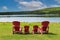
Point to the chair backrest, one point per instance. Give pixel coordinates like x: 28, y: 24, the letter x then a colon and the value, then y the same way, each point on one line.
x: 17, y: 28
x: 26, y: 29
x: 35, y: 28
x: 45, y: 25
x: 16, y: 23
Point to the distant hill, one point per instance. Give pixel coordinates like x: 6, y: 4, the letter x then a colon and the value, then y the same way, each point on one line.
x: 49, y: 10
x: 55, y: 11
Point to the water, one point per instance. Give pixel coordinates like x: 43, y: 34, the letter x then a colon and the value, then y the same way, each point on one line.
x: 29, y: 19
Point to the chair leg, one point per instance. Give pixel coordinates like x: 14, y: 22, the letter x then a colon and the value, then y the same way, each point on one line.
x: 20, y: 32
x: 13, y: 32
x: 26, y: 32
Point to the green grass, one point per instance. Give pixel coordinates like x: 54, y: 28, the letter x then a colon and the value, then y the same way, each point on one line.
x: 6, y: 32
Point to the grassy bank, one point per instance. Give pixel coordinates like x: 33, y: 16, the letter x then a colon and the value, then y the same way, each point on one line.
x: 6, y: 32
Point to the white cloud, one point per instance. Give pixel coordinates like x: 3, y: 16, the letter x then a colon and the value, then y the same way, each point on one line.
x: 54, y: 5
x: 4, y: 8
x: 32, y: 5
x: 58, y: 1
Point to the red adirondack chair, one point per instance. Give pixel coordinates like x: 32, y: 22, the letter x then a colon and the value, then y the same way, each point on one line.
x: 16, y: 27
x: 35, y: 29
x: 16, y: 23
x: 26, y: 29
x: 45, y: 27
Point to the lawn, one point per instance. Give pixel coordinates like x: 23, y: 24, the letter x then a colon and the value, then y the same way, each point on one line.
x: 6, y: 32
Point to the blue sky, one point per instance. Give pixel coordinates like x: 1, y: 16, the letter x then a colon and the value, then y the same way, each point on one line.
x: 27, y: 5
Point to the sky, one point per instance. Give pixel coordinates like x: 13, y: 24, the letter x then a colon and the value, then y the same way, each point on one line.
x: 26, y: 5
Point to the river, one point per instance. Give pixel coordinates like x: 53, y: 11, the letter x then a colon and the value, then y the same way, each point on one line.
x: 29, y: 19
